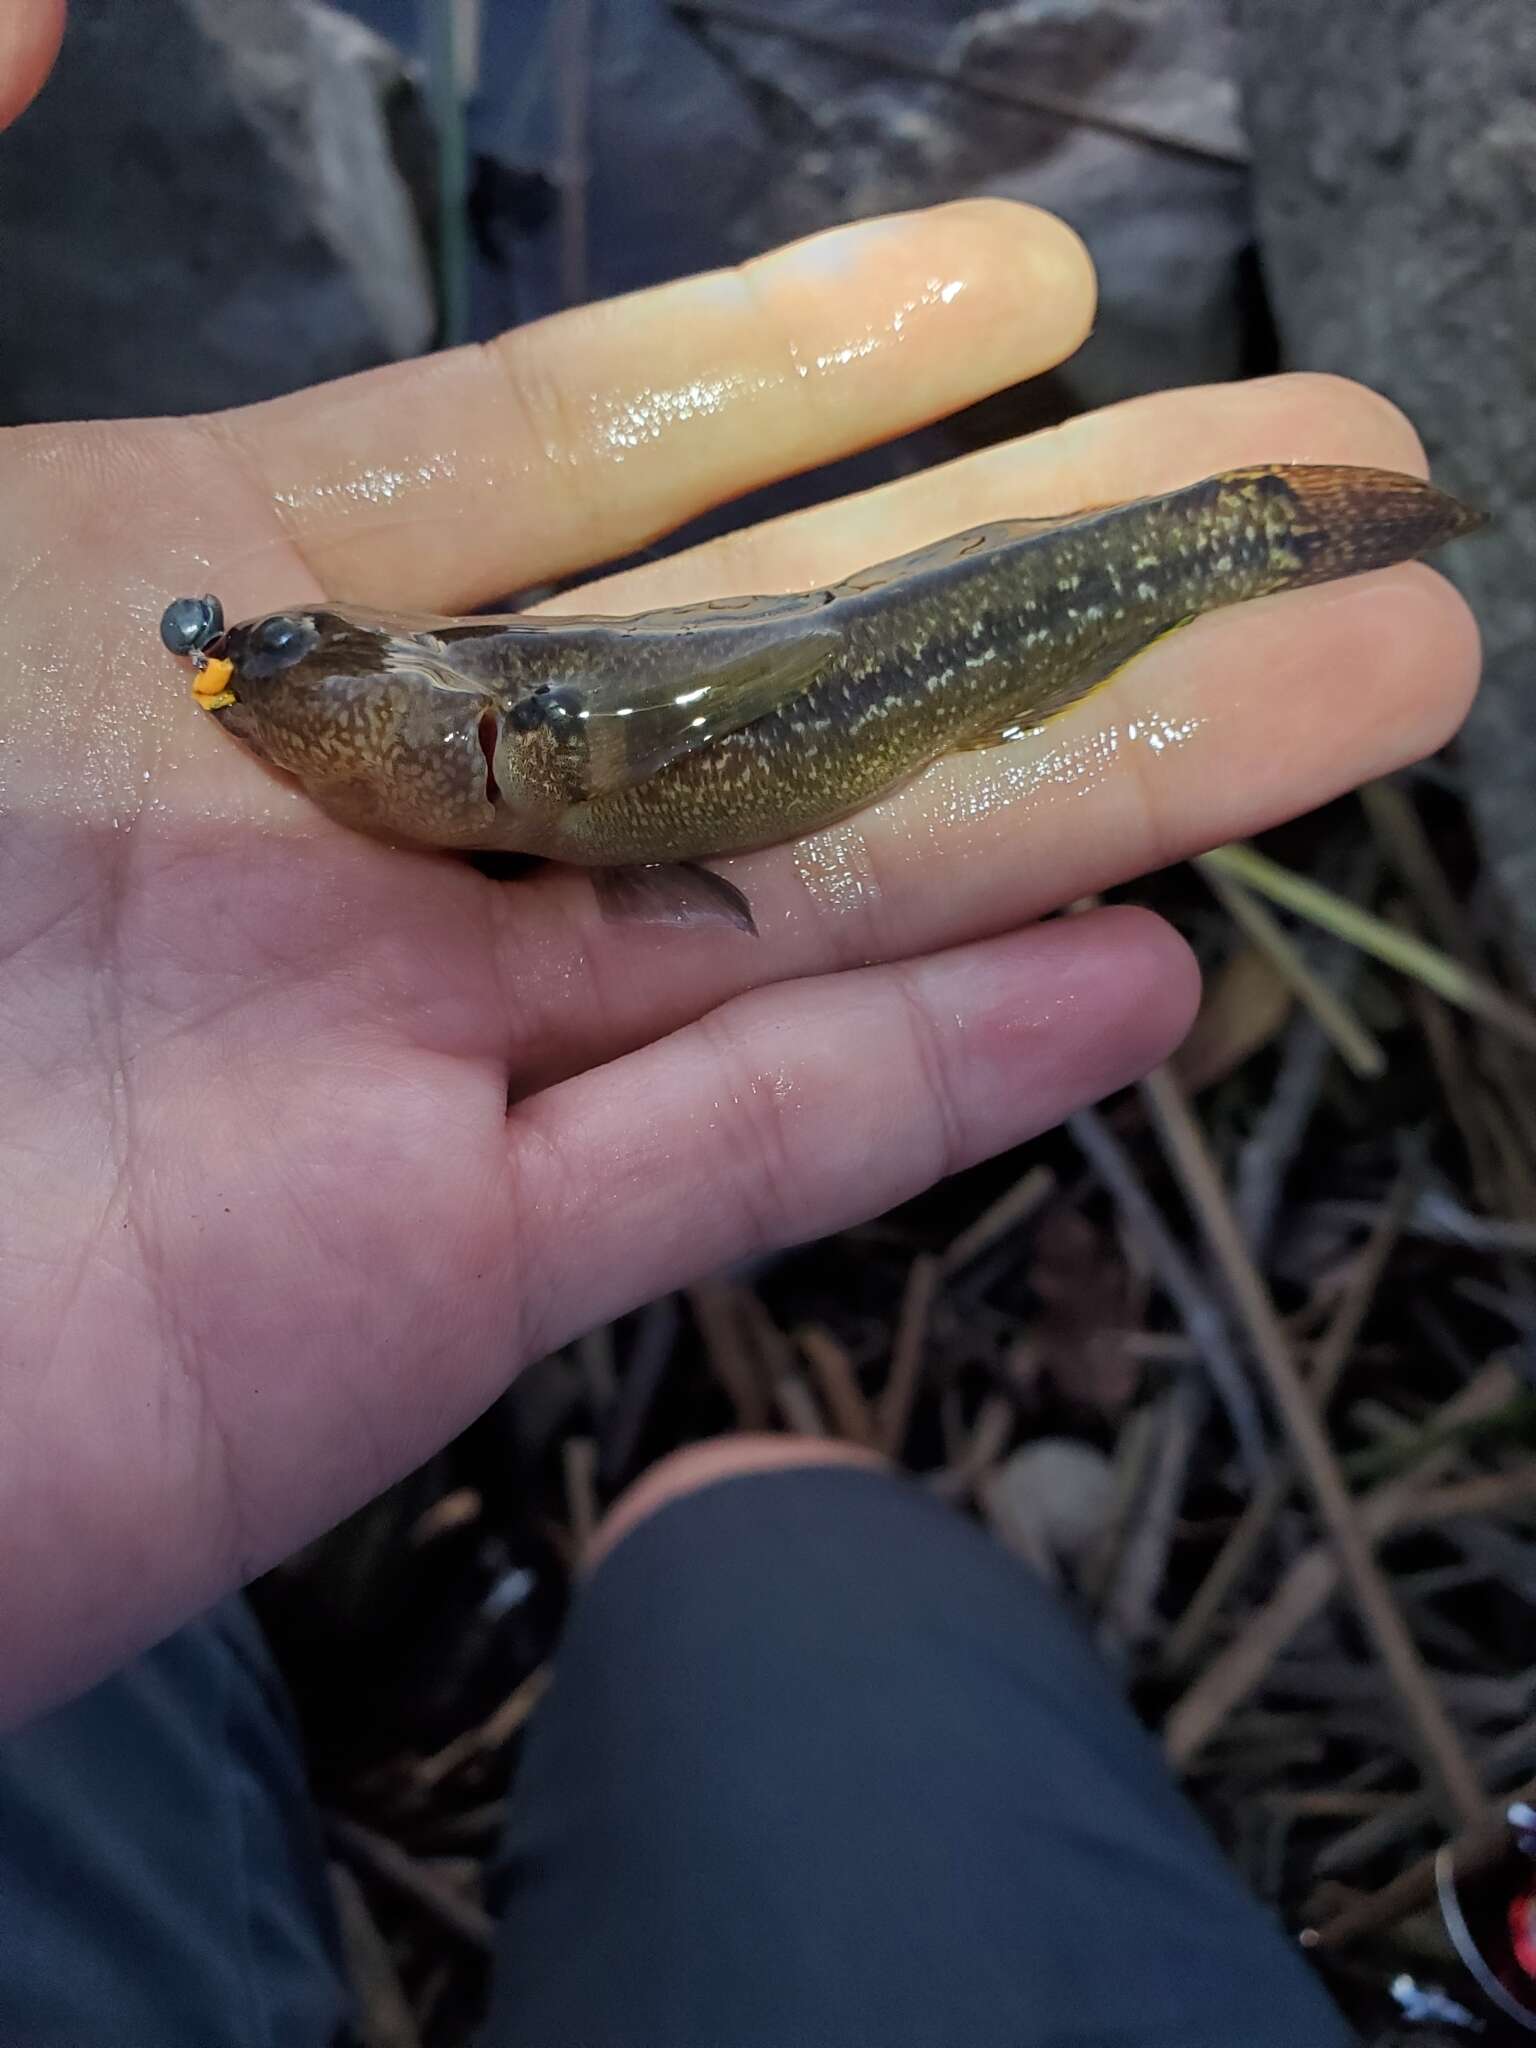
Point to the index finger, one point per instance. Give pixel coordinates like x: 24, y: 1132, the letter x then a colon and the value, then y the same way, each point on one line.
x: 444, y: 482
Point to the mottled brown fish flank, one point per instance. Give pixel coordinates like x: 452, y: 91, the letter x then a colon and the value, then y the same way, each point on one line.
x: 1001, y: 630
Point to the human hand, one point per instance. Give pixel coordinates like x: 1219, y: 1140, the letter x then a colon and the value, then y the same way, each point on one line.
x: 271, y: 1230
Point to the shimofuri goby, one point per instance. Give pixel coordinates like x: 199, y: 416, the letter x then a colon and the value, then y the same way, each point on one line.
x: 638, y: 747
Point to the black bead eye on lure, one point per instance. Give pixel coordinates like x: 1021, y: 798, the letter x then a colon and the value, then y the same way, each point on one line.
x: 190, y: 626
x: 191, y: 623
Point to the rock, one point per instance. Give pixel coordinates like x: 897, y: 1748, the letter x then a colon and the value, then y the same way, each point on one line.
x: 1395, y: 171
x: 1052, y: 1503
x: 713, y: 141
x: 202, y: 208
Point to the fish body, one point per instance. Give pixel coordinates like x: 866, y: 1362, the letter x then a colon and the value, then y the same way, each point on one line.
x: 679, y: 735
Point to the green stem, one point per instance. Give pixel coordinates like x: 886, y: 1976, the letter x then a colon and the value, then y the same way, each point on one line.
x: 444, y: 73
x: 1350, y: 1039
x: 1385, y: 942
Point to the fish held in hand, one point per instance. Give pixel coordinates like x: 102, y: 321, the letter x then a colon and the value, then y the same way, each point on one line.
x: 639, y: 747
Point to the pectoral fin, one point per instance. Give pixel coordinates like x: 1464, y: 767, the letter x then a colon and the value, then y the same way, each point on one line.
x: 672, y: 892
x: 627, y: 737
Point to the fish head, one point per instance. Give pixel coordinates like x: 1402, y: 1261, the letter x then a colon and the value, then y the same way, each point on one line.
x: 379, y: 734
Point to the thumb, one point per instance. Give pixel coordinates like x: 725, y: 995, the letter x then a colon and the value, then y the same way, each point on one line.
x: 29, y: 41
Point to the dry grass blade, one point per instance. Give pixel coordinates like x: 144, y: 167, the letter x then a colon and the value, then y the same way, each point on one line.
x: 389, y: 1863
x: 1457, y: 1086
x: 1198, y: 1310
x: 492, y: 1734
x: 778, y: 1368
x: 1013, y: 1207
x: 797, y: 1405
x: 1434, y: 1733
x: 895, y: 1412
x: 1374, y: 935
x: 645, y: 1369
x: 1338, y: 1023
x: 578, y: 1458
x: 1477, y: 1845
x: 837, y: 1384
x: 1513, y: 1755
x: 979, y: 1454
x: 1128, y: 1616
x: 1490, y: 1493
x: 456, y: 1510
x: 594, y: 1359
x: 1280, y: 1133
x: 384, y: 2018
x: 1399, y: 830
x: 1333, y: 1353
x: 717, y: 1311
x: 1310, y: 1581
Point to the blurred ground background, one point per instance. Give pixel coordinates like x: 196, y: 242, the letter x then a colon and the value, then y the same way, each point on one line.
x: 1109, y: 1344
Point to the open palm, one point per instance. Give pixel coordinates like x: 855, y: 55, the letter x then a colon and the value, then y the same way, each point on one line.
x: 306, y: 1143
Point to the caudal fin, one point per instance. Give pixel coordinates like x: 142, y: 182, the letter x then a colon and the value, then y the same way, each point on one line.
x: 1350, y: 520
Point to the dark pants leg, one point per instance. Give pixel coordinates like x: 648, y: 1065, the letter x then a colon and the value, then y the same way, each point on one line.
x: 162, y: 1882
x: 821, y: 1765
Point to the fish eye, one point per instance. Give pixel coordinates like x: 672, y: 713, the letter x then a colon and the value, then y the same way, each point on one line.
x: 555, y: 707
x: 188, y: 625
x: 562, y: 707
x: 276, y: 643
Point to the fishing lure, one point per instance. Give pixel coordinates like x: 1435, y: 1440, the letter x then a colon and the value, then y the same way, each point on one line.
x: 640, y: 747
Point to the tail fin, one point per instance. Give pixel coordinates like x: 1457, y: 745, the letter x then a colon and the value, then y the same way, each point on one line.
x: 1350, y: 520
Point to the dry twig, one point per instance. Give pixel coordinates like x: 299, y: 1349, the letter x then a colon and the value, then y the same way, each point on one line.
x: 837, y: 1384
x: 717, y: 1311
x: 1247, y: 1538
x: 1477, y: 1845
x: 895, y: 1412
x: 1359, y: 1051
x: 980, y: 1454
x: 407, y: 1875
x: 1309, y: 1582
x: 1198, y: 1310
x: 1383, y: 941
x: 1014, y: 1206
x: 384, y: 2017
x: 1436, y: 1737
x: 578, y: 1458
x: 492, y: 1734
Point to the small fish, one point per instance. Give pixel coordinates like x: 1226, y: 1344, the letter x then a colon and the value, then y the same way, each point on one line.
x: 640, y: 747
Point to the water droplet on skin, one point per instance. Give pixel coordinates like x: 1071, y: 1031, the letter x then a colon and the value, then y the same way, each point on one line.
x: 1036, y: 770
x: 372, y: 484
x: 850, y: 352
x: 837, y: 870
x: 935, y: 292
x: 646, y: 416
